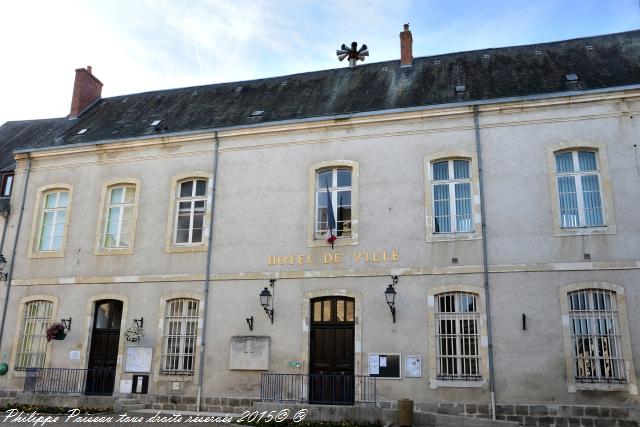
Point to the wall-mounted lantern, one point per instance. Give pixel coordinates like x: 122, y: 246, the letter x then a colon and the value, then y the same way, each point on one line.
x: 266, y: 299
x: 138, y: 322
x: 390, y: 295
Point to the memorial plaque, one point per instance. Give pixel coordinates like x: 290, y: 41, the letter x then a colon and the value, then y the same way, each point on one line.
x: 249, y: 353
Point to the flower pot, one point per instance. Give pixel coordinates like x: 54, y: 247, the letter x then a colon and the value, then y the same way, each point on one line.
x: 60, y: 336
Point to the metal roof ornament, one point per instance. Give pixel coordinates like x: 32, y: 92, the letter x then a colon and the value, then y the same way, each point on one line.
x: 354, y: 54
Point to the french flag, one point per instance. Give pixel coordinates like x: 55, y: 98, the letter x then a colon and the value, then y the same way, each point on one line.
x: 332, y: 220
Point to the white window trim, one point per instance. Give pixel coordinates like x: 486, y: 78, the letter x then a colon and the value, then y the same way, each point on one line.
x: 451, y: 184
x: 312, y: 239
x: 100, y: 249
x: 158, y: 350
x: 625, y: 339
x: 431, y: 235
x: 16, y: 338
x: 38, y: 216
x: 434, y: 382
x: 606, y: 190
x: 172, y: 217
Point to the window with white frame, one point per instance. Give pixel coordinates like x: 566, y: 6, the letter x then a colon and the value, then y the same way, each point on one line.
x: 457, y: 336
x: 51, y: 233
x: 179, y: 336
x: 7, y: 184
x: 451, y: 192
x: 578, y: 181
x: 190, y: 211
x: 119, y: 217
x: 333, y: 191
x: 595, y: 337
x: 32, y: 343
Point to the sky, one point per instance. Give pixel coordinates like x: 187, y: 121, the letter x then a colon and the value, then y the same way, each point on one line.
x: 142, y: 45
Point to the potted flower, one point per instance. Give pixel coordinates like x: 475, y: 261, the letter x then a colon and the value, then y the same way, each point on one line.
x: 134, y: 334
x: 56, y: 332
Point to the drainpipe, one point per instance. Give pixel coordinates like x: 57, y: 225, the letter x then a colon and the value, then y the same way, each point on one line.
x: 208, y: 271
x: 485, y: 263
x: 15, y: 245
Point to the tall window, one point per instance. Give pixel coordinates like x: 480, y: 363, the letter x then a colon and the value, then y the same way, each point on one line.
x: 457, y: 336
x: 180, y: 335
x: 53, y: 220
x: 191, y: 207
x: 32, y: 344
x: 119, y: 217
x: 579, y: 189
x: 333, y: 189
x: 595, y: 337
x: 7, y: 185
x: 451, y: 184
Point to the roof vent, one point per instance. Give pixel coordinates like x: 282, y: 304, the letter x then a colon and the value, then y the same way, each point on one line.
x: 485, y: 56
x: 538, y: 52
x: 257, y: 113
x: 82, y: 131
x: 460, y: 88
x: 571, y: 77
x: 124, y: 100
x: 239, y: 89
x: 155, y: 123
x: 589, y: 47
x: 436, y: 62
x: 384, y: 69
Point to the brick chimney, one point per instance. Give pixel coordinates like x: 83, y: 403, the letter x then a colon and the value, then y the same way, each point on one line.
x: 406, y: 47
x: 86, y: 90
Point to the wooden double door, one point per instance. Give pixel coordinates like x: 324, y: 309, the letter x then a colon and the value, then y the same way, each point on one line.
x: 103, y: 356
x: 331, y: 362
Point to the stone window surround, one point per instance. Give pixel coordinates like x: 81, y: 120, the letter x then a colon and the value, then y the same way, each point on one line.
x: 606, y: 189
x: 16, y: 337
x: 625, y: 340
x: 169, y: 245
x: 430, y: 235
x: 158, y: 376
x: 434, y: 382
x: 311, y: 204
x: 38, y: 213
x: 99, y: 248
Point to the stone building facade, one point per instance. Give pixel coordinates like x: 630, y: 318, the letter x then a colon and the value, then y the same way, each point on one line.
x: 495, y: 191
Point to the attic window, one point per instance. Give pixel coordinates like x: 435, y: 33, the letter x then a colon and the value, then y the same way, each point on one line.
x: 283, y: 84
x: 538, y: 52
x: 571, y: 77
x: 82, y: 131
x: 238, y: 89
x: 589, y: 47
x: 257, y: 113
x: 436, y: 62
x: 155, y: 123
x: 485, y: 56
x: 460, y: 88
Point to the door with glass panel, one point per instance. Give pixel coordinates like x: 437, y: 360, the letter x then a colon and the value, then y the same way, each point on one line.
x: 331, y: 362
x: 103, y: 355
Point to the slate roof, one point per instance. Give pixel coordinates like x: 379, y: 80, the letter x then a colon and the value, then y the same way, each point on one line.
x: 599, y: 62
x: 27, y: 134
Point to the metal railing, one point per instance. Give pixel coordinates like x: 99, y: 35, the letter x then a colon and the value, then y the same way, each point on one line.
x: 97, y: 381
x: 318, y: 388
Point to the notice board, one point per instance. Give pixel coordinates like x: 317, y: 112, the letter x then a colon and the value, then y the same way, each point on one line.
x: 384, y: 365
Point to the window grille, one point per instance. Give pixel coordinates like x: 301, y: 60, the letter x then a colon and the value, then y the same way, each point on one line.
x: 451, y: 186
x: 334, y: 183
x: 457, y: 336
x: 595, y: 337
x: 32, y: 344
x: 52, y: 223
x: 180, y: 336
x: 579, y: 189
x: 119, y: 218
x: 191, y: 206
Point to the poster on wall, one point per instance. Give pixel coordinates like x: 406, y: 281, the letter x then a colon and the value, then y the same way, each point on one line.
x: 384, y: 365
x: 413, y: 367
x: 138, y: 359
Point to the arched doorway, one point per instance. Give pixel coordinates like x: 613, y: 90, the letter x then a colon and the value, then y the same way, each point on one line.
x: 103, y: 356
x: 331, y: 353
